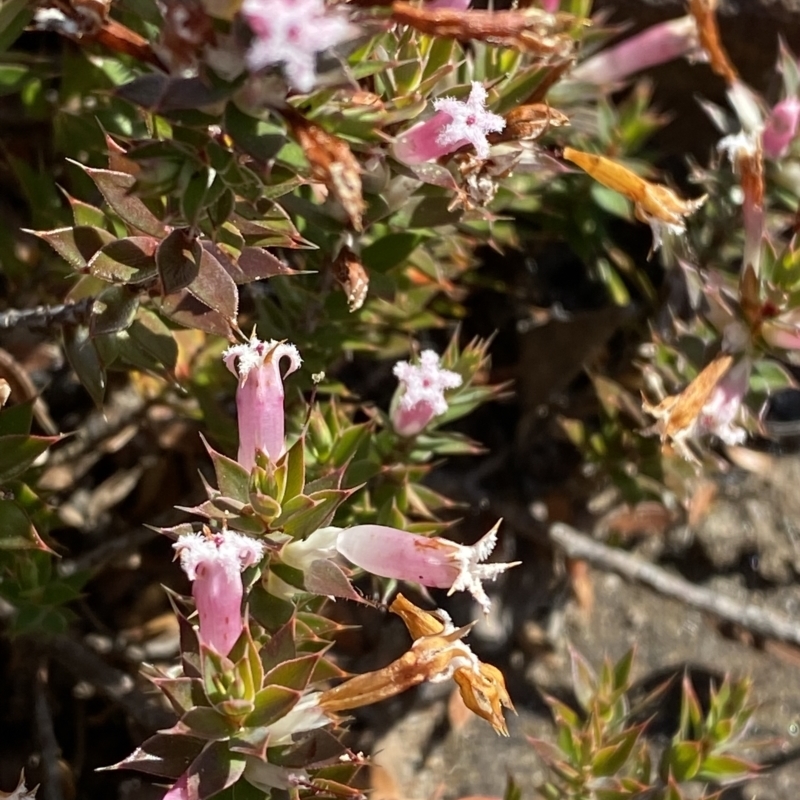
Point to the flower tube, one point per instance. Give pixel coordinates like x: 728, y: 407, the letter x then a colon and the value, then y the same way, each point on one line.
x: 431, y: 561
x: 655, y: 45
x: 214, y: 564
x: 259, y: 397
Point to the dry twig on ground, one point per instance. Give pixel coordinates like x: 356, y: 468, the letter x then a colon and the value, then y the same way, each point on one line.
x: 764, y: 621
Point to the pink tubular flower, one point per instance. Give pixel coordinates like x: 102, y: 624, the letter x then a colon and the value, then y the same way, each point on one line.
x: 421, y: 393
x: 655, y: 45
x: 431, y: 561
x: 781, y: 127
x: 455, y: 124
x: 292, y: 32
x: 719, y: 414
x: 259, y: 398
x: 214, y: 562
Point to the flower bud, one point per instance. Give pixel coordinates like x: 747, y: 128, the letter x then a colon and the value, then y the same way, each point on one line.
x: 421, y: 393
x: 259, y: 397
x: 781, y: 127
x: 214, y: 562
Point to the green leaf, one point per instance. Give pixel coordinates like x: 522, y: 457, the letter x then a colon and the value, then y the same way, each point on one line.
x: 390, y: 250
x: 18, y: 452
x: 610, y: 760
x: 85, y: 360
x: 721, y: 768
x: 16, y: 529
x: 152, y: 336
x: 207, y: 723
x: 272, y: 703
x: 295, y: 471
x: 304, y: 523
x: 348, y: 442
x: 14, y: 16
x: 683, y: 759
x: 114, y: 310
x: 16, y: 419
x: 233, y: 480
x: 584, y: 680
x: 622, y: 671
x: 295, y: 673
x: 262, y: 140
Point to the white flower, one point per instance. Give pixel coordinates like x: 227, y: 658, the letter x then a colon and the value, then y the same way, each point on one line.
x: 470, y: 121
x: 292, y: 32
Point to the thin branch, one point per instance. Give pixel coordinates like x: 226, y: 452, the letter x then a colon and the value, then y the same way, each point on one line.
x: 45, y: 317
x: 118, y: 686
x: 764, y: 621
x: 46, y: 735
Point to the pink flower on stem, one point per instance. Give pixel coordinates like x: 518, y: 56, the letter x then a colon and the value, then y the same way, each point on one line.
x: 421, y: 393
x: 214, y: 563
x: 456, y: 123
x: 781, y: 127
x: 292, y: 32
x: 259, y: 398
x: 655, y: 45
x: 721, y: 410
x: 430, y: 561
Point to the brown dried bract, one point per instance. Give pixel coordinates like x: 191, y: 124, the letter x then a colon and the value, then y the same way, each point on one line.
x: 704, y: 13
x: 352, y: 277
x: 652, y: 201
x: 332, y: 163
x: 676, y: 414
x: 529, y: 122
x: 531, y: 30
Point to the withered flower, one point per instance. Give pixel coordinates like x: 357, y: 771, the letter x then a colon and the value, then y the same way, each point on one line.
x: 657, y: 205
x: 436, y: 655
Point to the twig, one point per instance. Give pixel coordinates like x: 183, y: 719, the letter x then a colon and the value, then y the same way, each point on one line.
x: 114, y: 684
x: 760, y: 620
x: 44, y: 317
x: 45, y: 732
